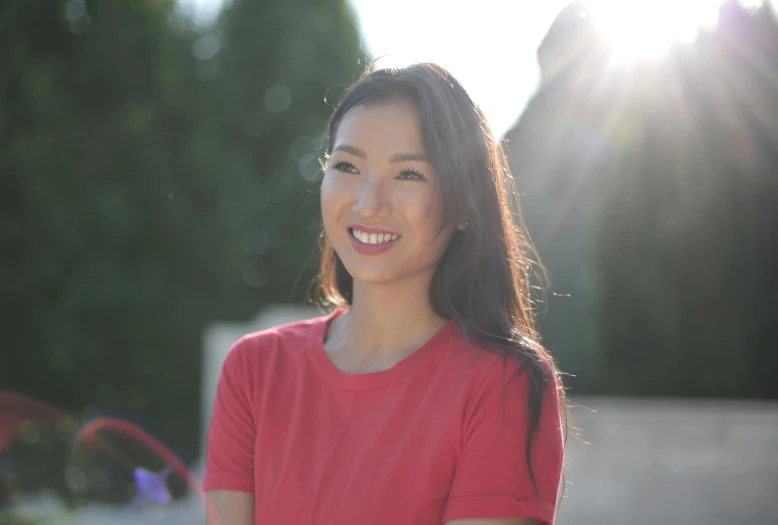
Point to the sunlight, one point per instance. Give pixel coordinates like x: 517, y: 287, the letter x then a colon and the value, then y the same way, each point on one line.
x: 645, y: 28
x: 495, y: 60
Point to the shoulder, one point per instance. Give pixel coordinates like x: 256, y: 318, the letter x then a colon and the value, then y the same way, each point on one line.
x: 487, y: 369
x: 492, y: 377
x: 285, y: 338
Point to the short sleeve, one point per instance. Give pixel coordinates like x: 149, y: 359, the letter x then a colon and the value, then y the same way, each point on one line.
x: 492, y: 478
x: 229, y: 459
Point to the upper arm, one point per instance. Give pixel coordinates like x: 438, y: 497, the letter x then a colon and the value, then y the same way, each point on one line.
x: 492, y: 482
x: 229, y: 507
x: 229, y: 457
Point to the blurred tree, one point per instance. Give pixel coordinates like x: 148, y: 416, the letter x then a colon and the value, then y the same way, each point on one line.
x: 153, y: 178
x: 652, y: 192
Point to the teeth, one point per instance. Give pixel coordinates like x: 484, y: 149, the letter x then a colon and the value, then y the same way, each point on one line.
x: 373, y: 238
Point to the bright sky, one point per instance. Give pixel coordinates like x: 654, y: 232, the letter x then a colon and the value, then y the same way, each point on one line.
x: 490, y: 45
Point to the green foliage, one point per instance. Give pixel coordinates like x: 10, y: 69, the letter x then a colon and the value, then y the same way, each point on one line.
x: 147, y: 173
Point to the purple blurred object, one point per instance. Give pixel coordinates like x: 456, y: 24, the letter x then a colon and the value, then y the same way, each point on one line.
x: 151, y: 486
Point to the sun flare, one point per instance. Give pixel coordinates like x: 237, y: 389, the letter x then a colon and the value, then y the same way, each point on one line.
x: 644, y: 28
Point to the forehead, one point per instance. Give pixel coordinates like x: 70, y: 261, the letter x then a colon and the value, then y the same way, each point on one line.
x: 393, y: 126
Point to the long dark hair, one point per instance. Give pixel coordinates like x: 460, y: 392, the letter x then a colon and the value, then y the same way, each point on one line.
x: 486, y: 274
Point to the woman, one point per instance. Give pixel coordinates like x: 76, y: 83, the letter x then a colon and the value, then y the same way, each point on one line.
x: 424, y: 397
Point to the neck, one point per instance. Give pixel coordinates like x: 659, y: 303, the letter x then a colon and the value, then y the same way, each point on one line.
x: 389, y: 321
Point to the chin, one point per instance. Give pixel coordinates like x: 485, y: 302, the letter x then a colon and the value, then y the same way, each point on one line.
x: 371, y: 276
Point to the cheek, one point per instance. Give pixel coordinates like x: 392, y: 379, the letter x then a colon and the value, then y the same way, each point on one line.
x: 426, y: 210
x: 429, y: 213
x: 327, y: 195
x: 335, y: 186
x: 333, y: 200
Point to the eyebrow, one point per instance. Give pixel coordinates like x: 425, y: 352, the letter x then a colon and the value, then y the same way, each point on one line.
x: 406, y: 157
x: 399, y: 157
x: 350, y: 149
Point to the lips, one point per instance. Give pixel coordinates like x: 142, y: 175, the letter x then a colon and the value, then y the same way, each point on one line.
x: 370, y: 229
x: 371, y: 241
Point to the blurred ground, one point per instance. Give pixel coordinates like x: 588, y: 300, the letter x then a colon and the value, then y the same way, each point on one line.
x: 676, y: 462
x: 648, y: 462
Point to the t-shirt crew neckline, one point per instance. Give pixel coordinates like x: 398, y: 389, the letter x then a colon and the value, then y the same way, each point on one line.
x: 371, y: 380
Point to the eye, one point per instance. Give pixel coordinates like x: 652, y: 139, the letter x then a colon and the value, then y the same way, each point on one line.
x: 411, y: 174
x: 345, y: 166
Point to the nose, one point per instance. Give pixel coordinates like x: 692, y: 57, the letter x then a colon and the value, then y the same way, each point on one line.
x: 372, y: 199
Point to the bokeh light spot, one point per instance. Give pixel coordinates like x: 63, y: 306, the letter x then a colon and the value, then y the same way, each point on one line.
x: 206, y: 46
x: 75, y: 9
x: 278, y: 99
x: 78, y: 18
x: 308, y: 167
x: 75, y: 478
x: 255, y: 240
x: 300, y: 146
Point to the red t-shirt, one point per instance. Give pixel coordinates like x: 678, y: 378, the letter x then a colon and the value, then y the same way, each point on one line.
x: 441, y: 435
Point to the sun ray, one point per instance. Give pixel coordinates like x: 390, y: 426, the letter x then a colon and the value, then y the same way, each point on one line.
x: 636, y: 29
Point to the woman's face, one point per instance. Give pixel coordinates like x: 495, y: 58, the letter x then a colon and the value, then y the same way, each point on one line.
x: 381, y: 204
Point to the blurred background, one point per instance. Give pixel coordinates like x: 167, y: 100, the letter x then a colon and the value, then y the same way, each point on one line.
x: 159, y: 198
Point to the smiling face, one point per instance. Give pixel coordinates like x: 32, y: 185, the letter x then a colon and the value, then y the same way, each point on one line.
x: 381, y: 204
